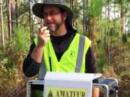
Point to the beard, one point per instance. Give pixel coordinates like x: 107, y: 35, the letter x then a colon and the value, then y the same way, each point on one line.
x: 53, y: 27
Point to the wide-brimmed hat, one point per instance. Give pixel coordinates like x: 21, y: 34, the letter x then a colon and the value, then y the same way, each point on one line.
x: 38, y: 7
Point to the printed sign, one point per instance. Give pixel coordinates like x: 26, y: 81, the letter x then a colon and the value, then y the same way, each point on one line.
x: 66, y: 92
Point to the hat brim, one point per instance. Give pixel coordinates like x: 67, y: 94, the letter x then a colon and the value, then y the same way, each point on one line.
x: 38, y: 9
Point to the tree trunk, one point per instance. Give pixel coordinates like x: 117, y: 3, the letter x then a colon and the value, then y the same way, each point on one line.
x: 13, y: 14
x: 87, y: 22
x: 2, y: 27
x: 16, y: 10
x: 30, y: 20
x: 84, y: 16
x: 123, y: 20
x: 92, y: 28
x: 71, y: 4
x: 9, y: 20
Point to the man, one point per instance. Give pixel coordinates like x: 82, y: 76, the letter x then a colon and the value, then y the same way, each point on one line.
x: 59, y: 47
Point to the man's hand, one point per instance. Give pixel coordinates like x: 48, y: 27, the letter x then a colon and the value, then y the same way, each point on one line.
x: 44, y: 36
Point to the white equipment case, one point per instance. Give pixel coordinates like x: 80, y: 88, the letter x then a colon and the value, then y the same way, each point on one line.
x: 71, y: 85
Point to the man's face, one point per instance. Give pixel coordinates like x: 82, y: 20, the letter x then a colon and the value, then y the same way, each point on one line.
x: 53, y: 18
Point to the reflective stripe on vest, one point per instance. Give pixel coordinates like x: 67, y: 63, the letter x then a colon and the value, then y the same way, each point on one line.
x: 80, y: 53
x: 79, y: 44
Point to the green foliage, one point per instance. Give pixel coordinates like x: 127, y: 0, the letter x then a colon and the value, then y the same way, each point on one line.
x: 11, y: 60
x: 101, y: 63
x: 12, y: 56
x: 23, y: 8
x: 108, y: 31
x: 124, y: 5
x: 124, y: 38
x: 96, y: 8
x: 21, y: 39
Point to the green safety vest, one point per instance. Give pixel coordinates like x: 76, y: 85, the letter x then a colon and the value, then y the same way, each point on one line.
x: 72, y: 60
